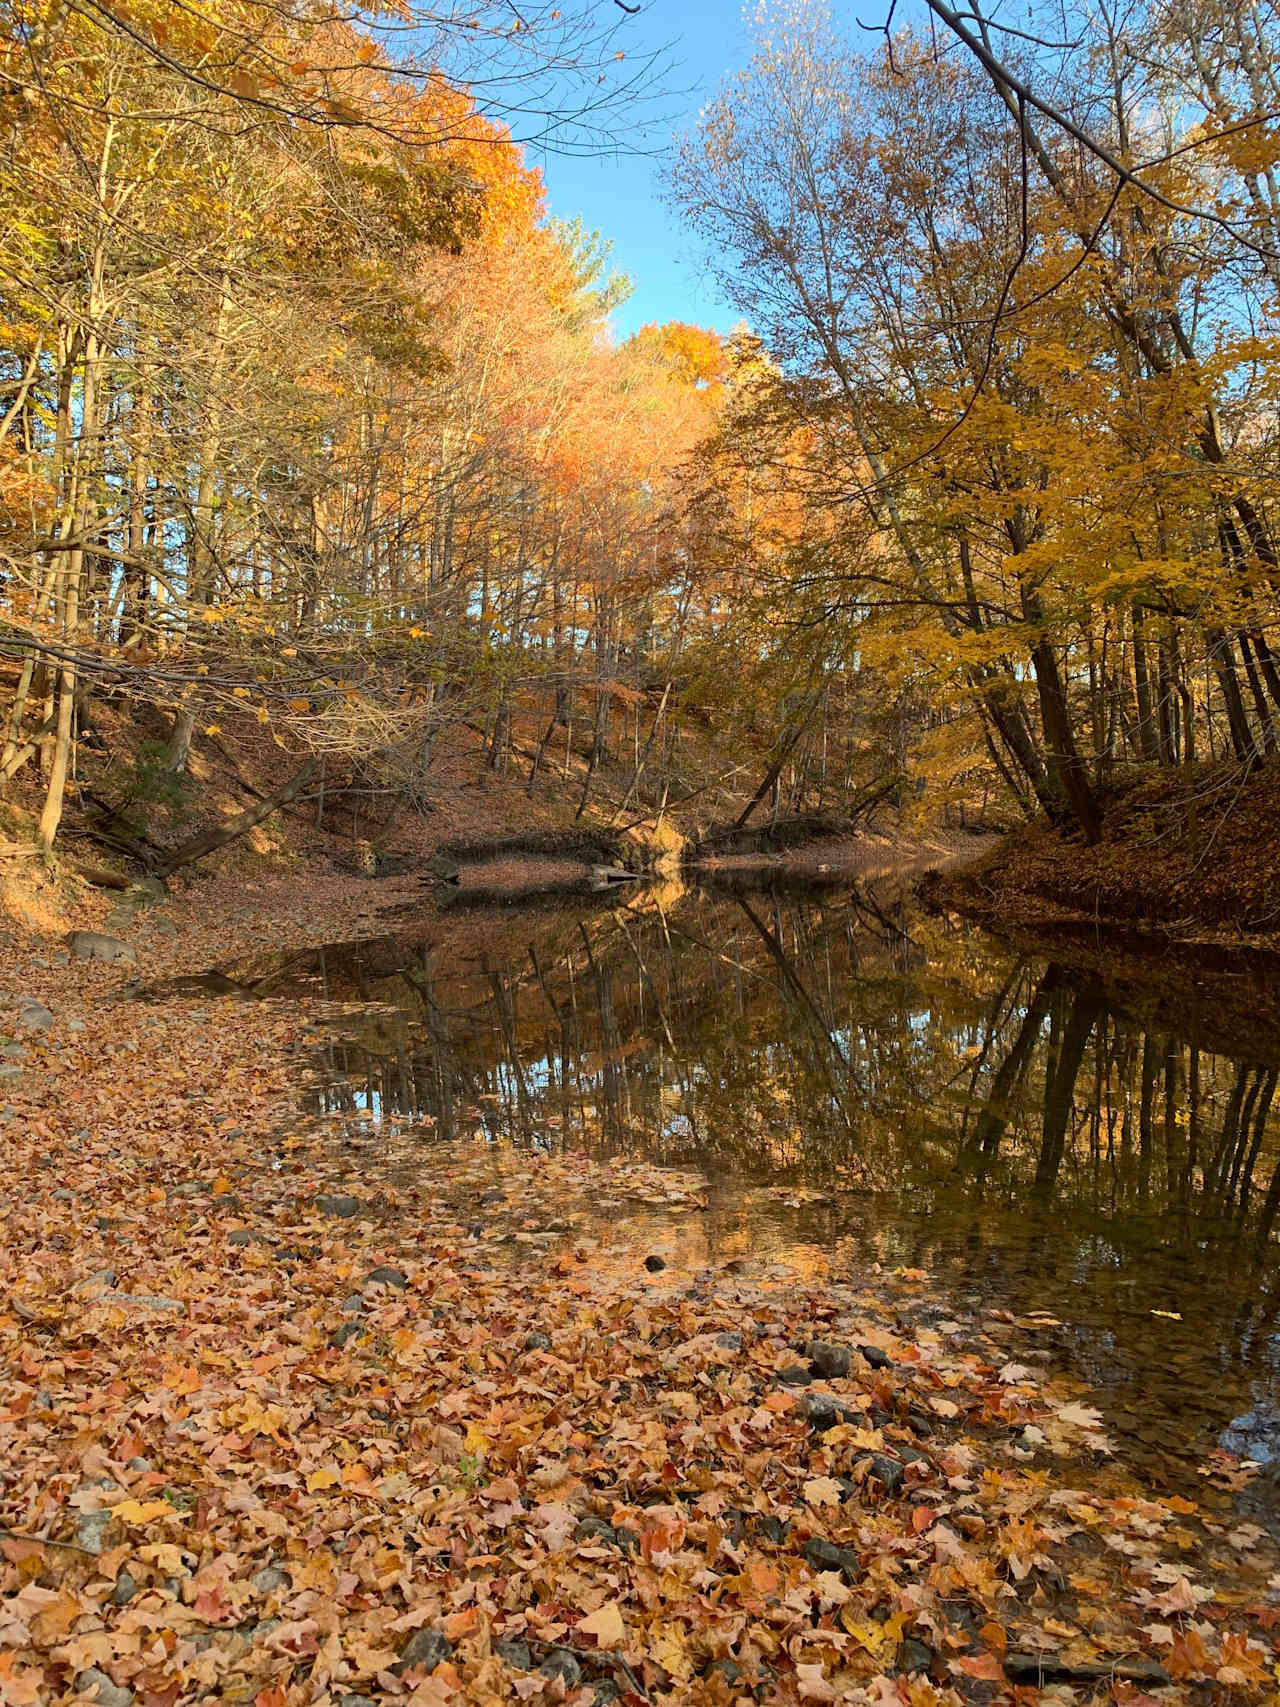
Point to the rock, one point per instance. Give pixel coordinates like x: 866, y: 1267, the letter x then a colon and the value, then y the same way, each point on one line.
x: 94, y: 945
x: 824, y: 1410
x: 62, y: 1195
x: 875, y: 1357
x: 99, y: 1277
x: 606, y: 1691
x: 729, y: 1342
x: 348, y: 1331
x: 627, y: 1539
x: 490, y: 1197
x: 774, y: 1529
x: 269, y: 1579
x: 124, y: 1590
x: 356, y: 1701
x: 596, y: 1529
x: 828, y: 1360
x: 919, y: 1424
x: 91, y: 1530
x: 139, y: 1466
x: 33, y: 1015
x: 793, y: 1375
x: 353, y: 1304
x: 537, y: 1342
x: 825, y: 1556
x: 105, y: 1692
x: 728, y: 1669
x: 15, y: 1052
x: 653, y: 1262
x: 887, y: 1471
x: 337, y: 1203
x: 387, y: 1276
x: 515, y: 1654
x: 562, y: 1663
x: 76, y: 1025
x: 913, y: 1656
x: 240, y: 1236
x: 423, y: 1652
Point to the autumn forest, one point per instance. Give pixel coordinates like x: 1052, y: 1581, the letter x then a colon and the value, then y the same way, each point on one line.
x: 638, y: 951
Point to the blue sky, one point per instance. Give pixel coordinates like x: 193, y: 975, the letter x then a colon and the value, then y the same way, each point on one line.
x: 621, y: 195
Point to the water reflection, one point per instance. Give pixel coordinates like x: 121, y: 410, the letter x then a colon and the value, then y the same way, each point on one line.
x: 1096, y: 1148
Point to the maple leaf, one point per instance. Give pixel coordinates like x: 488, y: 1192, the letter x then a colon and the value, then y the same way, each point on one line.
x: 606, y: 1625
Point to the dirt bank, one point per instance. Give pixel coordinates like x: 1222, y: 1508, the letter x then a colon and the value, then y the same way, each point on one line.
x: 1192, y: 855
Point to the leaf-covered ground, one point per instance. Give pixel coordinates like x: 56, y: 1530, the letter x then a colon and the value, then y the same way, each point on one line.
x: 296, y: 1414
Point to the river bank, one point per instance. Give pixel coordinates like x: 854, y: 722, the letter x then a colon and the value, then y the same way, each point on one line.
x: 1188, y: 855
x: 301, y: 1410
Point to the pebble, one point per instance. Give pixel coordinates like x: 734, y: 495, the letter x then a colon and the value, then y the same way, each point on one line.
x: 562, y: 1663
x: 825, y: 1556
x: 654, y: 1262
x: 875, y: 1357
x: 337, y: 1203
x: 347, y: 1331
x: 91, y: 1529
x: 269, y: 1579
x: 828, y: 1360
x: 104, y: 1690
x: 888, y: 1472
x: 423, y: 1652
x: 824, y: 1410
x: 124, y: 1590
x: 240, y: 1236
x: 914, y: 1656
x: 793, y: 1375
x: 537, y: 1342
x: 387, y: 1276
x: 515, y: 1654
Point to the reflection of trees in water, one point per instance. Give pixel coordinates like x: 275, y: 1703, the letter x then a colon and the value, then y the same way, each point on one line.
x: 838, y: 1040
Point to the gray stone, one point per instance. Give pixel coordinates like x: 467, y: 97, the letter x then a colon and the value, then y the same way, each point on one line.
x: 356, y: 1701
x: 914, y: 1656
x: 828, y: 1360
x: 793, y: 1375
x: 653, y: 1262
x: 348, y: 1331
x: 596, y: 1529
x: 515, y: 1654
x: 562, y: 1663
x: 353, y: 1304
x: 423, y: 1652
x: 773, y: 1529
x: 887, y: 1471
x: 825, y: 1556
x: 33, y: 1015
x: 337, y: 1203
x: 823, y: 1411
x: 124, y: 1590
x: 729, y: 1342
x: 875, y: 1357
x: 76, y: 1025
x: 240, y: 1236
x: 537, y: 1342
x: 264, y: 1627
x: 91, y: 1530
x: 384, y: 1275
x: 15, y: 1052
x: 94, y: 945
x: 61, y: 1194
x: 140, y: 1466
x: 269, y: 1579
x: 105, y: 1692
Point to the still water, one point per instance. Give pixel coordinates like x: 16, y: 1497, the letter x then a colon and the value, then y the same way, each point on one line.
x: 860, y: 1079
